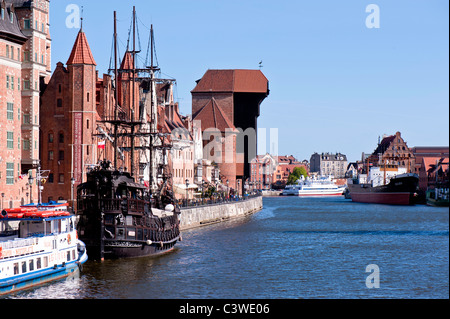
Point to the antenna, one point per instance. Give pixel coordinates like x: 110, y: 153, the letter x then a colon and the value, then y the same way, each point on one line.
x: 81, y: 19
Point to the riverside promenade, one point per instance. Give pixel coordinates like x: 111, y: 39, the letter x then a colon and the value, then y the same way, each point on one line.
x: 210, y: 212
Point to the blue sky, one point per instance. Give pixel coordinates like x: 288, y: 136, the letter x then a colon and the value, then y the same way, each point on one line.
x: 335, y: 85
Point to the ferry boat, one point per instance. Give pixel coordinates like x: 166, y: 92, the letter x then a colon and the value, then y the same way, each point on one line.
x: 38, y: 244
x: 315, y: 186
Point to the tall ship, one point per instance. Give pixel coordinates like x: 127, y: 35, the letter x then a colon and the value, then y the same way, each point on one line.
x: 120, y: 214
x: 38, y: 244
x: 387, y: 184
x: 314, y: 186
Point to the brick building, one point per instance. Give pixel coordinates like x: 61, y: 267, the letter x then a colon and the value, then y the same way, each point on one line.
x: 224, y: 101
x: 24, y: 67
x: 426, y: 157
x: 68, y: 122
x: 393, y: 150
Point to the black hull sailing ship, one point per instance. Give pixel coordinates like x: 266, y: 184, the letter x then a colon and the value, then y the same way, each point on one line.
x: 119, y: 217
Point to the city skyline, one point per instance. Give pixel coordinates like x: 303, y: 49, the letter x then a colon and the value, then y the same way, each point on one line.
x: 335, y: 84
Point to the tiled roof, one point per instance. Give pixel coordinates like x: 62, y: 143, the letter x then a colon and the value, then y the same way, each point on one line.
x: 212, y: 116
x: 81, y: 52
x: 11, y: 30
x: 249, y: 81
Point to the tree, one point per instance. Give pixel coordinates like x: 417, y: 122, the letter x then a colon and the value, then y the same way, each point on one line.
x: 296, y: 174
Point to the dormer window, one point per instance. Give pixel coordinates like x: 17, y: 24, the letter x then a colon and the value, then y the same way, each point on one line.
x: 3, y: 13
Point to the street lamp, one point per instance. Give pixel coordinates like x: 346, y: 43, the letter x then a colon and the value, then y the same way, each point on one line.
x: 30, y: 182
x: 228, y: 190
x: 187, y: 186
x: 238, y: 187
x: 72, y: 183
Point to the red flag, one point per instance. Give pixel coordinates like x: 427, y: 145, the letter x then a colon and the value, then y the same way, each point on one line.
x: 101, y: 144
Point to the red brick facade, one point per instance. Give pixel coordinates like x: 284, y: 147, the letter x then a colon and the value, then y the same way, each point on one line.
x: 25, y: 49
x: 226, y: 100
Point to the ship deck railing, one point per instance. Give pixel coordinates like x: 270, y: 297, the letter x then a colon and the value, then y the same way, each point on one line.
x: 108, y: 205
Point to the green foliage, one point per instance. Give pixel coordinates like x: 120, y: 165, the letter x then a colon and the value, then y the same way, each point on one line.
x: 296, y: 174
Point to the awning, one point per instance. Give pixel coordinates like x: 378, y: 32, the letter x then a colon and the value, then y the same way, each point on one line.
x: 183, y: 186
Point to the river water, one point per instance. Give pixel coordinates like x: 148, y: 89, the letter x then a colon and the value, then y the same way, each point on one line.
x: 293, y: 248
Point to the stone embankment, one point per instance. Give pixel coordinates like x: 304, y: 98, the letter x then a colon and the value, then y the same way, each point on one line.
x: 197, y: 216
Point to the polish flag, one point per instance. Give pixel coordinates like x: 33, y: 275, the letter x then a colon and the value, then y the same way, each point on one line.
x: 101, y: 144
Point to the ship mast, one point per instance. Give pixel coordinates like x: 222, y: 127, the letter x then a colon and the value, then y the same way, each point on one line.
x: 115, y: 90
x: 133, y: 91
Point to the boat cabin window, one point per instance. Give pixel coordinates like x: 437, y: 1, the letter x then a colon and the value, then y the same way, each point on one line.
x: 9, y: 228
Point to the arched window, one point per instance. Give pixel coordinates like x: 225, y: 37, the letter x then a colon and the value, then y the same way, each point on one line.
x: 61, y: 137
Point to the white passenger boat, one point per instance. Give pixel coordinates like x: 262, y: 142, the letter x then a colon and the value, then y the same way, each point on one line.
x: 38, y: 244
x: 316, y: 186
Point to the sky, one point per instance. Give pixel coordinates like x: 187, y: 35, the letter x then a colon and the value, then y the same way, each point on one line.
x: 338, y: 81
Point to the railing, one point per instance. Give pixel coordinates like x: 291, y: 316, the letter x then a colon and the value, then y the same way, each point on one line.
x: 219, y: 200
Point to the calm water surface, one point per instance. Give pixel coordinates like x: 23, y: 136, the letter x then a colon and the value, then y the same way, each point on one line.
x: 293, y: 248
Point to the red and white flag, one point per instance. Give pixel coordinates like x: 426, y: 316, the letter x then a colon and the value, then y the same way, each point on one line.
x: 101, y: 144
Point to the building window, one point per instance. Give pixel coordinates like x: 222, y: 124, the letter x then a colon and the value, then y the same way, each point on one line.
x: 26, y: 84
x: 12, y: 83
x: 50, y: 137
x: 61, y: 179
x: 59, y: 102
x: 50, y: 178
x: 9, y: 173
x: 26, y: 24
x: 26, y: 119
x: 10, y: 140
x: 61, y: 156
x: 10, y: 111
x: 50, y: 155
x: 61, y: 137
x: 7, y: 81
x: 7, y: 51
x: 26, y: 145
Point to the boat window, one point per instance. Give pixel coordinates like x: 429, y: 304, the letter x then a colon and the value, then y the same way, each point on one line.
x: 16, y: 268
x: 45, y: 262
x: 31, y: 265
x: 24, y: 267
x: 38, y: 263
x: 68, y: 256
x: 73, y: 254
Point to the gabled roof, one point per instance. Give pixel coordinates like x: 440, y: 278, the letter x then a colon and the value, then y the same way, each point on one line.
x: 248, y: 81
x: 81, y: 52
x: 212, y: 116
x: 384, y: 145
